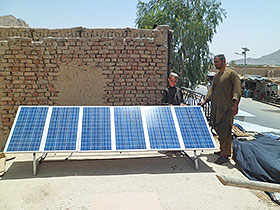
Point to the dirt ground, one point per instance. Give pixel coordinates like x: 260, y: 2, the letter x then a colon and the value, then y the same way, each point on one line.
x: 143, y: 180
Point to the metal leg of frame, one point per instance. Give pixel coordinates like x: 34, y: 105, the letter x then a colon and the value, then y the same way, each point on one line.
x: 34, y: 164
x: 195, y: 160
x: 5, y: 165
x: 5, y: 162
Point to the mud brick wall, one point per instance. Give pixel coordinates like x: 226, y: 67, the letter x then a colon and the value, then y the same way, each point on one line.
x: 266, y: 71
x: 80, y: 66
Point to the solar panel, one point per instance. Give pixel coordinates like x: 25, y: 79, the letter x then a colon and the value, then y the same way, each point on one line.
x: 54, y: 129
x: 96, y: 129
x: 161, y: 128
x: 28, y: 129
x: 194, y: 130
x: 109, y: 129
x: 129, y: 128
x: 63, y: 127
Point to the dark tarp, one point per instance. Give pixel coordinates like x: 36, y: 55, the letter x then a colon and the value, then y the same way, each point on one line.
x: 259, y: 159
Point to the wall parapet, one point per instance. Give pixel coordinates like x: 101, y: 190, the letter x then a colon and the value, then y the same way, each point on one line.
x: 6, y: 32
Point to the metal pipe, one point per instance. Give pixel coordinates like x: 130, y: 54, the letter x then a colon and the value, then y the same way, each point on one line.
x: 195, y: 160
x: 34, y: 164
x: 249, y: 184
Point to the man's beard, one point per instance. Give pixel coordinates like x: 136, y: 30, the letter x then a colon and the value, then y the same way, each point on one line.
x: 218, y: 67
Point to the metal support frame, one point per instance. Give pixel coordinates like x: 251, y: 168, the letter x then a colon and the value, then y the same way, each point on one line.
x: 5, y: 165
x: 36, y: 162
x: 194, y: 159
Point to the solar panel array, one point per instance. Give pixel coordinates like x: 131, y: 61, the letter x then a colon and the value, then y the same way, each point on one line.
x: 99, y: 128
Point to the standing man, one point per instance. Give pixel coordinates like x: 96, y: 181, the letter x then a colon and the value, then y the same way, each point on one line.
x: 172, y: 95
x: 224, y: 94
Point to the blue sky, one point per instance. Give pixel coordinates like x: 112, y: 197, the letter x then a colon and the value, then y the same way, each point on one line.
x: 250, y: 23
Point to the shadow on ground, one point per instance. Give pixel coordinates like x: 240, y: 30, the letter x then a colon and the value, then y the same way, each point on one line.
x: 97, y: 167
x: 211, y: 158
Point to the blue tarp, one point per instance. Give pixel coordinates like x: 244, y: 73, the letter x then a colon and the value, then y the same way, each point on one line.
x: 259, y: 159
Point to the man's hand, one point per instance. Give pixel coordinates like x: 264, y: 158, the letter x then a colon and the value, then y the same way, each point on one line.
x: 234, y: 108
x: 202, y: 103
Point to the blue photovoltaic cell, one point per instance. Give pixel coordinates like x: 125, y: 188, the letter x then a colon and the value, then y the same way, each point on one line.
x: 161, y: 128
x: 193, y: 127
x: 96, y: 129
x: 62, y: 133
x: 129, y: 130
x: 28, y: 129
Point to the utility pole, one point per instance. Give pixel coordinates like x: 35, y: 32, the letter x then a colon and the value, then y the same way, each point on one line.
x: 245, y: 49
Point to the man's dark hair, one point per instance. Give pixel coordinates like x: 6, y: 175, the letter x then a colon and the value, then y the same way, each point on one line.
x: 220, y: 56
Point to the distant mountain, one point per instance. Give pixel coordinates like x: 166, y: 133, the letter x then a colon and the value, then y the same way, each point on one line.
x: 271, y: 59
x: 10, y: 20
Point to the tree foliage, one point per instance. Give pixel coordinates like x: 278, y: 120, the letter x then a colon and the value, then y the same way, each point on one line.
x: 194, y: 23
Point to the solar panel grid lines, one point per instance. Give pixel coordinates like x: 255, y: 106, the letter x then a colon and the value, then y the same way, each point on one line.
x: 12, y: 130
x: 161, y: 128
x: 195, y: 132
x: 27, y: 130
x: 96, y: 129
x: 129, y: 130
x: 205, y: 130
x: 186, y: 130
x: 201, y: 129
x: 108, y: 128
x: 62, y: 134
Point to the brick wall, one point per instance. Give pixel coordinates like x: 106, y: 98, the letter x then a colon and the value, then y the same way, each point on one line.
x: 80, y: 66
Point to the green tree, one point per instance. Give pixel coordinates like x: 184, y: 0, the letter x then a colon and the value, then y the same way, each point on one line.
x: 194, y: 23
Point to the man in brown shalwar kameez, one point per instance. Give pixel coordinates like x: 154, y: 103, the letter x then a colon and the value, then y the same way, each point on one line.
x: 224, y: 94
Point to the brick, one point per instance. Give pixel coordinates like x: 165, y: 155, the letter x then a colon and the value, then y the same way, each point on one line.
x: 52, y: 90
x: 19, y: 90
x: 42, y: 98
x: 7, y: 99
x: 17, y: 81
x: 55, y: 74
x: 40, y: 82
x: 29, y: 74
x: 43, y: 103
x: 134, y: 56
x: 29, y: 90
